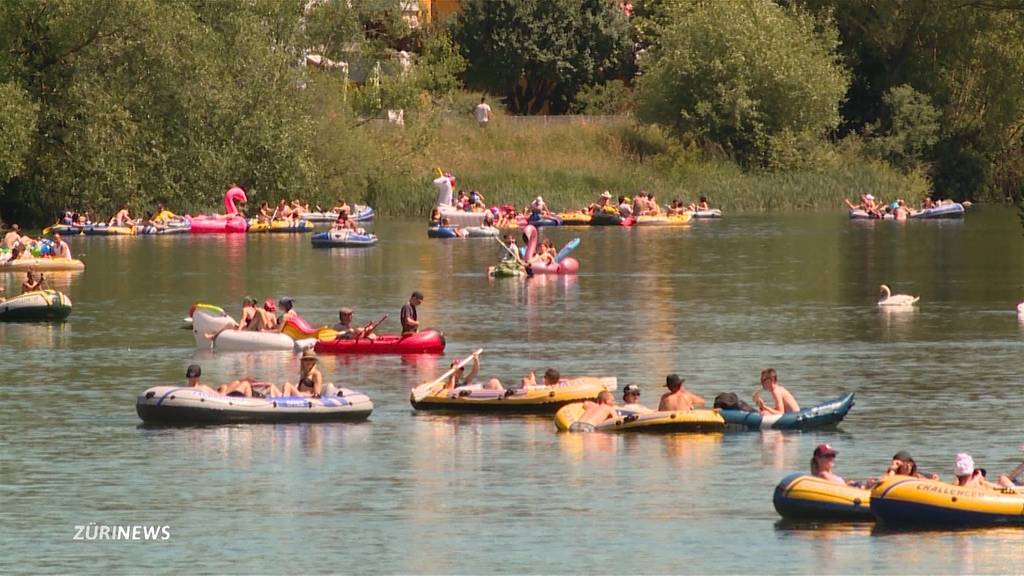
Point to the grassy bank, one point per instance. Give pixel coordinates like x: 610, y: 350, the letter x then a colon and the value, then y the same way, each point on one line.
x: 570, y: 162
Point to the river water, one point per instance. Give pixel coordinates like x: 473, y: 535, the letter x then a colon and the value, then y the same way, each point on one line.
x: 422, y: 493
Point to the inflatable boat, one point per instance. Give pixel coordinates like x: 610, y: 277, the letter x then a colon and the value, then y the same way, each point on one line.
x: 709, y: 213
x: 37, y: 306
x: 800, y: 495
x: 532, y: 400
x: 425, y: 342
x: 563, y: 264
x: 209, y: 319
x: 343, y: 239
x: 443, y: 232
x: 281, y: 226
x: 64, y: 229
x: 24, y: 264
x: 535, y: 219
x: 823, y: 415
x: 953, y: 210
x: 183, y: 405
x: 359, y: 213
x: 177, y: 227
x: 672, y: 421
x: 610, y: 219
x: 673, y: 220
x: 482, y: 232
x: 506, y: 269
x: 105, y: 230
x: 574, y: 218
x: 905, y: 501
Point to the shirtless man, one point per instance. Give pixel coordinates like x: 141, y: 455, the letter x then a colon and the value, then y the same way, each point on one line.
x: 782, y: 398
x: 12, y: 237
x: 60, y: 247
x: 122, y: 218
x: 678, y: 397
x: 192, y: 374
x: 595, y: 413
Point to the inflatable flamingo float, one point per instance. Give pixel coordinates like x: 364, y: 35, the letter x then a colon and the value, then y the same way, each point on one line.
x: 230, y: 221
x: 563, y: 264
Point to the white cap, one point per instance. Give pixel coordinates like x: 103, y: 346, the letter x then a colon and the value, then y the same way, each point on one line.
x: 539, y: 199
x: 869, y: 196
x: 964, y: 465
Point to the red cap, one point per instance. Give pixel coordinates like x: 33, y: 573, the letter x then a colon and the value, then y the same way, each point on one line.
x: 824, y: 450
x: 269, y: 305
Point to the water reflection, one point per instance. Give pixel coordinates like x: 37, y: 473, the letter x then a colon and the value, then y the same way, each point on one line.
x: 897, y: 321
x: 35, y: 335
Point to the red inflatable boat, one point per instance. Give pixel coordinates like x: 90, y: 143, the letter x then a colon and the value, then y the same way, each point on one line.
x: 426, y: 342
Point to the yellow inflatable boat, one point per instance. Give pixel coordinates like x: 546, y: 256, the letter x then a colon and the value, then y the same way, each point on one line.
x: 42, y: 265
x: 800, y: 495
x: 534, y: 399
x: 689, y: 421
x: 663, y: 220
x: 281, y: 226
x: 907, y: 501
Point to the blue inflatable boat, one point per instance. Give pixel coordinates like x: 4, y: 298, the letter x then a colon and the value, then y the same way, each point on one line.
x: 442, y: 232
x: 823, y: 415
x: 343, y: 239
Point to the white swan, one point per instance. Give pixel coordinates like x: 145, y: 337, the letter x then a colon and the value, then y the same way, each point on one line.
x: 1020, y: 309
x: 896, y: 300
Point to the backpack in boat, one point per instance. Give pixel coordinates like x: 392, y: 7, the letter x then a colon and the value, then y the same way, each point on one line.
x: 730, y: 401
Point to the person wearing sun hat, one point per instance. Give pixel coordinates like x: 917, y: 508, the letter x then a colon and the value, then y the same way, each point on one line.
x: 311, y: 381
x: 602, y: 202
x: 967, y: 474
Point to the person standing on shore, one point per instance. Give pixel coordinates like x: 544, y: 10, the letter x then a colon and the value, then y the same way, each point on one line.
x: 482, y: 112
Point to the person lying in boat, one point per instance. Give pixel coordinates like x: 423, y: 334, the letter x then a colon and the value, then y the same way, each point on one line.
x: 966, y: 474
x: 781, y: 397
x: 595, y: 413
x: 347, y: 332
x: 678, y: 397
x: 310, y: 379
x: 552, y: 377
x: 192, y: 374
x: 631, y: 400
x: 250, y: 388
x: 122, y: 218
x: 460, y: 378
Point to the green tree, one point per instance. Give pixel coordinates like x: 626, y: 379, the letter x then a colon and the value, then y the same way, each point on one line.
x: 909, y: 129
x: 17, y: 124
x: 540, y: 53
x: 743, y: 74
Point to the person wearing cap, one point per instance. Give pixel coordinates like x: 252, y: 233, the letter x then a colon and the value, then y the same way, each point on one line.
x: 192, y: 374
x: 678, y: 397
x: 822, y: 461
x: 782, y: 398
x: 311, y: 381
x: 967, y: 474
x: 631, y: 400
x: 408, y: 316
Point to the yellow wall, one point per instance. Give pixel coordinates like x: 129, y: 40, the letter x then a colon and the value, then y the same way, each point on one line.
x: 437, y: 10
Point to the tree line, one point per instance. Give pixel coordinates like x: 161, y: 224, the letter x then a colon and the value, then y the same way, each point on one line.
x: 111, y: 102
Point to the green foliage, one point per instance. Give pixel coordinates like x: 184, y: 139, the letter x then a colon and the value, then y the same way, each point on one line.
x: 541, y: 53
x: 17, y: 124
x: 910, y: 129
x: 612, y: 97
x: 742, y: 72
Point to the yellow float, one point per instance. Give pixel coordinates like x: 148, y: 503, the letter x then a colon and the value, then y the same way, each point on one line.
x: 905, y: 501
x: 801, y: 495
x: 680, y: 421
x: 24, y: 264
x: 533, y: 399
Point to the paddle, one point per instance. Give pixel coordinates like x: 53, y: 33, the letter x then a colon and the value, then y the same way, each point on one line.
x: 518, y: 258
x: 370, y: 327
x: 1016, y: 471
x: 423, y: 390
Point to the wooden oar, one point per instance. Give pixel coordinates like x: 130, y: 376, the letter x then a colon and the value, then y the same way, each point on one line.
x: 423, y: 390
x: 370, y: 327
x: 519, y: 259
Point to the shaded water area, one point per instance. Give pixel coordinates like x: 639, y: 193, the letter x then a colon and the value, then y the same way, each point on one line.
x: 406, y: 492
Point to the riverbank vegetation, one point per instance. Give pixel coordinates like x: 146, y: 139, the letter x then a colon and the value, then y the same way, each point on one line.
x: 757, y: 104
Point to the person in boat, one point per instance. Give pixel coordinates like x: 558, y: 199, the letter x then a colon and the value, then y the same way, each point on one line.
x: 782, y: 399
x: 12, y: 237
x: 678, y: 397
x: 822, y: 461
x: 702, y: 204
x: 966, y: 474
x: 544, y: 254
x: 343, y: 223
x: 341, y: 206
x: 640, y: 204
x: 264, y: 319
x: 408, y: 316
x: 460, y: 378
x: 122, y: 218
x: 652, y: 205
x: 476, y: 201
x: 602, y: 202
x: 631, y: 400
x: 538, y: 208
x: 510, y: 258
x: 60, y: 247
x: 595, y: 413
x: 299, y: 209
x: 31, y: 283
x: 927, y: 203
x: 248, y: 320
x: 461, y: 201
x: 264, y: 216
x: 250, y: 388
x: 192, y: 374
x: 488, y: 220
x: 347, y: 332
x: 446, y: 223
x: 435, y: 217
x: 283, y: 211
x: 311, y: 381
x: 902, y: 464
x: 552, y: 377
x: 625, y: 208
x: 288, y: 305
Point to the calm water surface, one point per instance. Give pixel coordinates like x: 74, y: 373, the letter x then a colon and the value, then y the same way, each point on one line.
x: 408, y: 492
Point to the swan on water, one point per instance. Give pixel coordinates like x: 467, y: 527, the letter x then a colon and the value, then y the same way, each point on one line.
x: 1020, y: 309
x: 891, y: 299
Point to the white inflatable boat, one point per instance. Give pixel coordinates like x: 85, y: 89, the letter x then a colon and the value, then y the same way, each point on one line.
x: 183, y: 405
